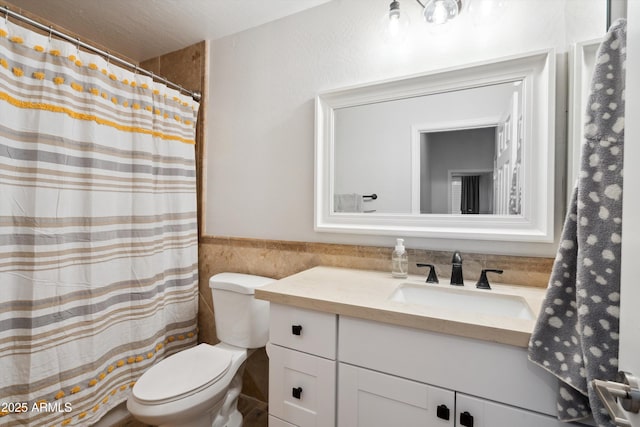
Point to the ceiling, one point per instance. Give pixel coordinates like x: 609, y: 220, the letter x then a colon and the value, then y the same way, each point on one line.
x: 143, y: 29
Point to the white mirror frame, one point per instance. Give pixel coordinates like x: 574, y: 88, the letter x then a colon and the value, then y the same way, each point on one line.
x: 536, y: 70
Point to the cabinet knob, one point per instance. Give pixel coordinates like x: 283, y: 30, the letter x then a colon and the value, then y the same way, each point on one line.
x: 466, y: 419
x: 443, y: 412
x: 296, y: 392
x: 296, y: 329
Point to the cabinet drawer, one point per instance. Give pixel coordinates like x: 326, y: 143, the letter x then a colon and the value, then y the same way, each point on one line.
x: 301, y: 387
x: 305, y: 330
x: 372, y: 399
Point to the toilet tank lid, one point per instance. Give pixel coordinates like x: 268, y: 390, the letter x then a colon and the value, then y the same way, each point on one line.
x: 238, y: 282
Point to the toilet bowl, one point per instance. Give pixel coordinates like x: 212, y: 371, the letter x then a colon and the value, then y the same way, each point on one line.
x: 199, y: 387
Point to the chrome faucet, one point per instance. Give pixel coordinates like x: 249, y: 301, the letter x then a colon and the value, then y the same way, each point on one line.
x: 456, y: 270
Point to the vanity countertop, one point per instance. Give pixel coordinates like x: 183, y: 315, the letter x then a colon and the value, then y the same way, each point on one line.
x: 365, y: 294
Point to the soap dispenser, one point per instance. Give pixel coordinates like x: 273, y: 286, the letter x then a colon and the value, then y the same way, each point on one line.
x: 399, y: 261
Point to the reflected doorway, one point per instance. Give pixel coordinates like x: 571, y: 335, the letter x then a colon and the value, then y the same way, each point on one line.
x: 449, y: 158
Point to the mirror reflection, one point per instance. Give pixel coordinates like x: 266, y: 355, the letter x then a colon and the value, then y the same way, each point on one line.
x: 457, y: 152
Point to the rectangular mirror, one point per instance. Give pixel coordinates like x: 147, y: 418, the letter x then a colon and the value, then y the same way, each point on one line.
x: 457, y: 153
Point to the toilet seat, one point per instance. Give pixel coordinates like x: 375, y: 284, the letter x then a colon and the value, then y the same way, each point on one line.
x: 182, y: 374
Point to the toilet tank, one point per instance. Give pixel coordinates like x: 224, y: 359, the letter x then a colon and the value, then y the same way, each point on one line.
x: 241, y: 320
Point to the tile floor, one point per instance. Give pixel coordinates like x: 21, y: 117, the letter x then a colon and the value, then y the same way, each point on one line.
x: 254, y: 413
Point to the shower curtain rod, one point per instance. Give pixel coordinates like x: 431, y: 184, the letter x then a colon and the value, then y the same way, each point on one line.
x: 196, y: 95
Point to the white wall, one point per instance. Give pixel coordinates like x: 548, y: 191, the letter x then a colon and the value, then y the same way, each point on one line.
x: 260, y: 130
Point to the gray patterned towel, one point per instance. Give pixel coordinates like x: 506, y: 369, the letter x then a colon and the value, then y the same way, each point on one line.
x: 576, y: 335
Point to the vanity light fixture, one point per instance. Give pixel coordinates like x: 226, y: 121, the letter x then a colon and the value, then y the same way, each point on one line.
x: 435, y: 12
x: 440, y: 12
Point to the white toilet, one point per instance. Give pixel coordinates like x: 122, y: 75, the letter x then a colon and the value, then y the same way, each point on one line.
x: 199, y: 387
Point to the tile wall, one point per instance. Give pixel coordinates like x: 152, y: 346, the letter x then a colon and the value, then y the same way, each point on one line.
x: 187, y: 67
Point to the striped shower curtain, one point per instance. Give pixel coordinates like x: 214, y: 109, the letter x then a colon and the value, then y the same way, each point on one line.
x: 98, y: 236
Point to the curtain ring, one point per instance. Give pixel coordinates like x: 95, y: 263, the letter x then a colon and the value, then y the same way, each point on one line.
x: 108, y: 58
x: 50, y: 32
x: 78, y: 45
x: 6, y: 14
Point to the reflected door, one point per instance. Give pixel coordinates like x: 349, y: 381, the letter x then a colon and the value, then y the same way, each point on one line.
x: 506, y: 158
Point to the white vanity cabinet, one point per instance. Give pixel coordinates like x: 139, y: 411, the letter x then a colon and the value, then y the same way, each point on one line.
x: 411, y: 372
x: 327, y: 370
x: 362, y: 358
x: 302, y: 367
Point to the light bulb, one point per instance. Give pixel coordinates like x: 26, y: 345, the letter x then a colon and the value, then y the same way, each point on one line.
x: 395, y: 24
x: 439, y: 12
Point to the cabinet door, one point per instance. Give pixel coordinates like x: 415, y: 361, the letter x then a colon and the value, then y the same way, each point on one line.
x: 475, y: 412
x: 301, y: 388
x: 372, y: 399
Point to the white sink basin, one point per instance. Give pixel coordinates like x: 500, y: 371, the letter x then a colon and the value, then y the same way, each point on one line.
x: 481, y: 302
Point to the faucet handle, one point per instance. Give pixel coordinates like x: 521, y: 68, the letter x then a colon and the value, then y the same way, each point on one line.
x: 483, y: 282
x: 433, y: 277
